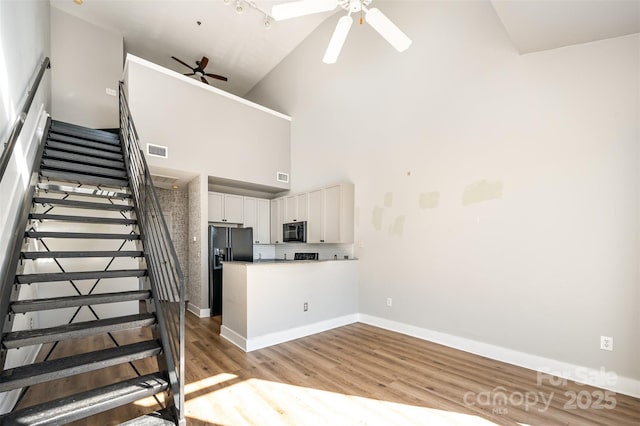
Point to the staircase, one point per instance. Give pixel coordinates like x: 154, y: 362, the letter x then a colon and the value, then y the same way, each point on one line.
x: 93, y: 256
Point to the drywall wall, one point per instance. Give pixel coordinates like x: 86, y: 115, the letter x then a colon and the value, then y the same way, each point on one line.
x: 86, y: 60
x: 206, y: 130
x: 497, y: 194
x: 24, y: 43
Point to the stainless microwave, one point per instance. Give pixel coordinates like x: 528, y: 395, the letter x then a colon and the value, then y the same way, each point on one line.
x: 295, y: 232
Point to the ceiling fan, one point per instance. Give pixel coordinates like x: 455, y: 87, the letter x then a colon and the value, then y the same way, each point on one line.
x: 373, y: 16
x: 198, y: 71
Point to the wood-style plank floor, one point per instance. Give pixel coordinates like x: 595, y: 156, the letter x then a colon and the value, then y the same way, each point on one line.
x: 360, y: 375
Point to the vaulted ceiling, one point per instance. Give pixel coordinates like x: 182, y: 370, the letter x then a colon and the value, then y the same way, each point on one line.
x: 240, y: 46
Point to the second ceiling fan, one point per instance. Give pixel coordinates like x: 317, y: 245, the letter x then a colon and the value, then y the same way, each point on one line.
x: 198, y: 70
x: 373, y: 16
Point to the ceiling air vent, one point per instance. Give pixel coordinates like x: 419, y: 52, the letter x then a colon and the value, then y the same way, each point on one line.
x: 157, y: 151
x: 282, y: 177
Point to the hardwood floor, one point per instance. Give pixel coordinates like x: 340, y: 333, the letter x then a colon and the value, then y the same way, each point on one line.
x: 363, y: 375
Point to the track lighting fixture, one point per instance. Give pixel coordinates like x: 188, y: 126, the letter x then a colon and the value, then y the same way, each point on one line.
x: 240, y: 7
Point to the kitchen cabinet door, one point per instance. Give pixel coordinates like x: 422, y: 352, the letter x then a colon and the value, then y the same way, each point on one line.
x: 290, y: 209
x: 295, y: 208
x: 277, y: 219
x: 302, y: 207
x: 339, y: 223
x: 250, y: 214
x: 225, y: 208
x: 216, y: 207
x: 315, y: 217
x: 332, y: 207
x: 263, y: 223
x: 233, y: 208
x: 256, y: 216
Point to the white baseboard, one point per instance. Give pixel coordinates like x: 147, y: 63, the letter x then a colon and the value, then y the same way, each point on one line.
x: 254, y: 343
x: 8, y: 400
x: 233, y: 337
x: 200, y: 313
x: 572, y: 372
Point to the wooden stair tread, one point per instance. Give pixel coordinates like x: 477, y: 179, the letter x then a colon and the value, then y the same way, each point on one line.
x: 79, y: 406
x: 33, y: 305
x: 32, y: 374
x: 84, y: 275
x: 17, y: 339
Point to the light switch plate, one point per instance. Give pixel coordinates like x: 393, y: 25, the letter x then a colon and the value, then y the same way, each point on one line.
x: 111, y: 92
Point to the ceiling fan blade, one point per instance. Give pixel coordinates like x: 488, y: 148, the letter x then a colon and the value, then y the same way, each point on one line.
x: 388, y: 30
x: 188, y: 66
x: 203, y: 62
x: 191, y: 73
x: 337, y: 40
x: 301, y: 8
x: 219, y: 77
x: 204, y: 80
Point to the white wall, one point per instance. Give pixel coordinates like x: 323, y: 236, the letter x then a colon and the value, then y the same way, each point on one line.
x: 205, y: 130
x: 24, y: 42
x: 497, y: 195
x: 86, y: 60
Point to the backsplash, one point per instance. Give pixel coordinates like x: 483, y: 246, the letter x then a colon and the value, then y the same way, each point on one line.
x: 325, y: 251
x: 264, y: 251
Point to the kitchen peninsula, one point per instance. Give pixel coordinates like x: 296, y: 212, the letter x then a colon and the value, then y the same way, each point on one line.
x: 270, y: 302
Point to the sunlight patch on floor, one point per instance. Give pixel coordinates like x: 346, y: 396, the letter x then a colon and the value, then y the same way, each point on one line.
x: 261, y: 402
x: 201, y: 385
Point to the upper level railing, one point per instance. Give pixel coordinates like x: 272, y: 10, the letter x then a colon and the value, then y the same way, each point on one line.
x: 164, y: 273
x: 10, y: 144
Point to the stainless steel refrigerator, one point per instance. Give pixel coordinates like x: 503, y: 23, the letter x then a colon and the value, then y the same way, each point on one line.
x: 226, y: 244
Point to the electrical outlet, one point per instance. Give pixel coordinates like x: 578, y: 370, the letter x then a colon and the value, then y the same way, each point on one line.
x: 111, y: 92
x: 606, y: 343
x: 305, y: 307
x: 389, y: 301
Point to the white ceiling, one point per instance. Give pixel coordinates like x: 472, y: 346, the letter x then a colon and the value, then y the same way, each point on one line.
x: 541, y: 25
x: 240, y: 48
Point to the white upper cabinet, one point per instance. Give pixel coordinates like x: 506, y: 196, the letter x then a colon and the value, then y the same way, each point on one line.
x: 277, y: 219
x: 329, y: 213
x: 295, y: 208
x: 315, y: 217
x: 226, y: 208
x: 336, y: 215
x: 263, y: 235
x: 256, y: 216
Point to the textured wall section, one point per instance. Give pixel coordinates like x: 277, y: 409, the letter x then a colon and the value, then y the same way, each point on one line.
x: 193, y: 250
x: 175, y: 206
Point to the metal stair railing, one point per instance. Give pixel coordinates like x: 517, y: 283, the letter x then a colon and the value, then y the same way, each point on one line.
x: 10, y: 261
x: 10, y: 144
x: 164, y: 274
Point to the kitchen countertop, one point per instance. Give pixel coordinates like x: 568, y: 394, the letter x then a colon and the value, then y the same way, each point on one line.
x: 288, y: 261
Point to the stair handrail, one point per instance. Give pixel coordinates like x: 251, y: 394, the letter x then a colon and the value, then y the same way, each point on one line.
x: 10, y: 144
x: 163, y: 268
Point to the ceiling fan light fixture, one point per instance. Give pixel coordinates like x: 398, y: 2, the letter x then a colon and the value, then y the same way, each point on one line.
x: 388, y: 30
x: 337, y: 40
x: 298, y: 8
x: 267, y: 22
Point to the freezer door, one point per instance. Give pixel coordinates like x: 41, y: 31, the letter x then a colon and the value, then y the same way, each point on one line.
x: 242, y: 244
